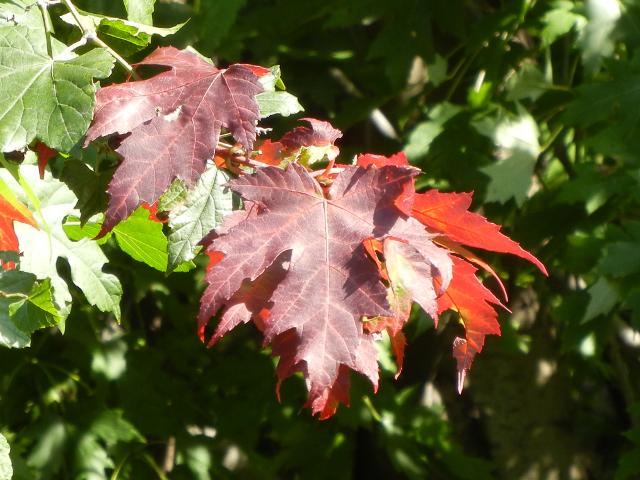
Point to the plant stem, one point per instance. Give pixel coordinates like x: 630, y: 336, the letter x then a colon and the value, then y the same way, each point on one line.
x: 126, y: 65
x: 319, y: 173
x: 250, y: 163
x: 91, y: 35
x: 48, y: 26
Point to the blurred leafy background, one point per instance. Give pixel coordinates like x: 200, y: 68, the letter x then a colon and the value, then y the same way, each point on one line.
x: 534, y: 105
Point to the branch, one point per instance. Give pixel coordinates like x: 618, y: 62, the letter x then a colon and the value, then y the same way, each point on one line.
x: 91, y: 35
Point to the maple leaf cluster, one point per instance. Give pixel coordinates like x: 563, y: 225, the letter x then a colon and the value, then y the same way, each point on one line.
x: 322, y: 257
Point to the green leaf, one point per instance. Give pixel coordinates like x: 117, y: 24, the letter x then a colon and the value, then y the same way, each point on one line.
x: 603, y: 297
x: 10, y: 335
x: 528, y: 82
x: 14, y: 287
x: 88, y: 186
x: 560, y: 20
x: 6, y: 470
x: 621, y: 259
x: 143, y: 239
x: 37, y: 310
x: 140, y: 11
x: 132, y: 32
x: 42, y: 247
x: 425, y: 133
x: 24, y: 13
x: 203, y: 209
x: 47, y: 454
x: 112, y: 427
x: 597, y: 39
x: 278, y: 103
x: 516, y: 140
x: 609, y: 108
x: 50, y: 99
x: 14, y: 282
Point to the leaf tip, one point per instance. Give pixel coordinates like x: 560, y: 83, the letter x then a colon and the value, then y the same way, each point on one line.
x: 462, y: 373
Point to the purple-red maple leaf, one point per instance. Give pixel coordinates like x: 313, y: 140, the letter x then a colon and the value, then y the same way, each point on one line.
x: 173, y: 121
x: 318, y: 134
x: 296, y: 264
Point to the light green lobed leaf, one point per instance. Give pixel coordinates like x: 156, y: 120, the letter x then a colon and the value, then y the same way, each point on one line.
x: 42, y: 247
x: 278, y: 103
x: 6, y: 470
x: 517, y: 148
x: 143, y: 239
x: 25, y: 306
x: 37, y: 310
x: 140, y: 10
x: 127, y: 30
x: 203, y: 209
x: 13, y: 285
x: 51, y: 99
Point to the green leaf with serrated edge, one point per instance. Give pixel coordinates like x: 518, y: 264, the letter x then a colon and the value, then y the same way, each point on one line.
x: 88, y: 186
x: 51, y: 99
x: 420, y: 139
x: 6, y: 470
x: 10, y: 335
x: 203, y: 210
x: 140, y: 11
x: 517, y: 148
x: 273, y: 80
x: 603, y: 297
x: 175, y: 194
x: 37, y: 310
x: 76, y: 231
x: 14, y: 287
x: 15, y: 282
x: 112, y: 427
x: 42, y: 247
x: 560, y: 20
x: 278, y: 103
x: 130, y: 31
x: 24, y: 13
x: 9, y: 256
x: 143, y: 239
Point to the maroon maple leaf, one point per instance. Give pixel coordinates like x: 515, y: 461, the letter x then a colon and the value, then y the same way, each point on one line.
x: 299, y: 255
x: 174, y: 120
x: 318, y: 134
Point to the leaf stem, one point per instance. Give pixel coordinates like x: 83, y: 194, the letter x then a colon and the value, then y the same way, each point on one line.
x: 48, y: 26
x: 92, y: 36
x: 319, y: 173
x: 250, y: 163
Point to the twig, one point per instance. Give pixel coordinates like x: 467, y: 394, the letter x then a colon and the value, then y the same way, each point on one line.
x: 250, y: 163
x: 92, y: 36
x: 319, y: 173
x: 48, y: 27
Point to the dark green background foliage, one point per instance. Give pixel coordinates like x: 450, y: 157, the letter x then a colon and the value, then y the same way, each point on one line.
x: 534, y: 105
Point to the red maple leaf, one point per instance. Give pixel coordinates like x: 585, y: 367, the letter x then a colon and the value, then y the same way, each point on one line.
x: 473, y: 302
x: 174, y: 121
x: 44, y: 155
x: 448, y: 213
x: 11, y: 211
x: 270, y: 153
x: 413, y: 274
x: 326, y: 283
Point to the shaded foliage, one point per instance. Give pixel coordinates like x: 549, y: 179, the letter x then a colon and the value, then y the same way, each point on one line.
x: 529, y: 104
